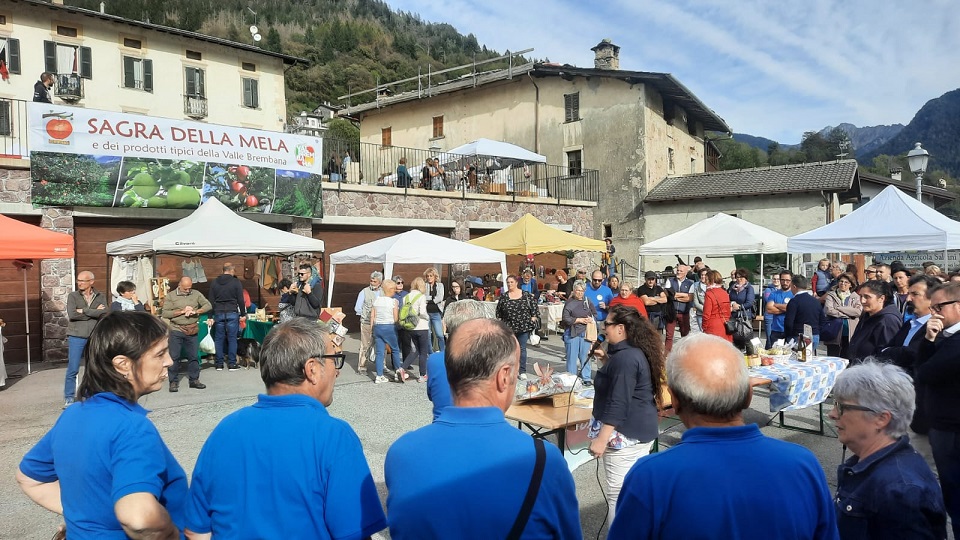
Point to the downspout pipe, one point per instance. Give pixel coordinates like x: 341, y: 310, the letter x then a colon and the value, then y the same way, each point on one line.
x: 536, y: 115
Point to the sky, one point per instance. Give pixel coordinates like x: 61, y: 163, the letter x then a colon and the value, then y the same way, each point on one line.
x: 773, y: 69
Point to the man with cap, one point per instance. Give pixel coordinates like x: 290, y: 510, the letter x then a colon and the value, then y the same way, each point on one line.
x: 653, y: 297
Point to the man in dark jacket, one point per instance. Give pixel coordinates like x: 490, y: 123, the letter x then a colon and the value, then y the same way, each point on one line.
x: 803, y: 309
x: 939, y: 373
x: 226, y: 295
x: 308, y: 293
x: 41, y: 89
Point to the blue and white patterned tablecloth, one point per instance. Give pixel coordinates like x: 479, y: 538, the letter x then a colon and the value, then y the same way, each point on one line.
x: 797, y: 385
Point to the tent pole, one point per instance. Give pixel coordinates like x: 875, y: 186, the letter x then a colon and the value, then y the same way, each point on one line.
x: 946, y: 261
x: 26, y: 312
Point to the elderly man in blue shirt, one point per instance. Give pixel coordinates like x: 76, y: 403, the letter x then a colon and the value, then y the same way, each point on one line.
x: 301, y: 472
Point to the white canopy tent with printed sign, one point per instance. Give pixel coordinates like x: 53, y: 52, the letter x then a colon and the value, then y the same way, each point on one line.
x: 491, y: 148
x: 213, y: 230
x: 414, y: 246
x: 890, y: 221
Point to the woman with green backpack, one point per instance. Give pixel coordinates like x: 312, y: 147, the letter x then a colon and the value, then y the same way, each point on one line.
x: 415, y: 322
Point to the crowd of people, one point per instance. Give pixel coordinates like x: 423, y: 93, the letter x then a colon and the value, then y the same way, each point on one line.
x: 899, y: 331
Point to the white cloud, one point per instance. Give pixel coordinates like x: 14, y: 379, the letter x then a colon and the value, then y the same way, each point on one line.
x: 773, y: 69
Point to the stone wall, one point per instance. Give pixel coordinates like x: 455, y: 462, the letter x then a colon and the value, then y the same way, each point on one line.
x: 14, y: 185
x: 56, y: 282
x: 438, y: 205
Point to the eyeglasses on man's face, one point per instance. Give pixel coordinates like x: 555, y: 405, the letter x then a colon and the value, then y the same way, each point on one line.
x: 937, y: 308
x: 338, y: 358
x: 843, y: 407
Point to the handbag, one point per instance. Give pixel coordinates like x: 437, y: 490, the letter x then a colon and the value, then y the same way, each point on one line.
x: 591, y: 333
x: 831, y: 329
x: 742, y: 329
x: 730, y: 326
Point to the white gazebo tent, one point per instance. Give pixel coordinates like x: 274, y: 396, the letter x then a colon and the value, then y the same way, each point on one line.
x: 890, y: 221
x: 414, y: 246
x: 213, y: 230
x: 491, y: 148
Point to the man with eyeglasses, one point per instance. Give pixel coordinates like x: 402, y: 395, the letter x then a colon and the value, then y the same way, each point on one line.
x: 85, y: 306
x: 777, y: 306
x: 599, y: 295
x: 299, y: 472
x: 181, y: 310
x: 939, y: 373
x: 307, y: 292
x: 362, y: 308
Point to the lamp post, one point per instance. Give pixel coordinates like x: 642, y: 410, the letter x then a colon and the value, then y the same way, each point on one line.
x: 917, y: 160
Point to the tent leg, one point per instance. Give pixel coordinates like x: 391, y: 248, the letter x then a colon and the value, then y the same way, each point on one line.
x: 26, y: 312
x: 946, y: 261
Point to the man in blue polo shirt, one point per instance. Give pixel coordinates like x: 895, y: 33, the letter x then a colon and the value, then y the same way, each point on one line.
x: 468, y: 474
x: 599, y: 295
x: 298, y: 472
x: 708, y: 486
x: 777, y: 306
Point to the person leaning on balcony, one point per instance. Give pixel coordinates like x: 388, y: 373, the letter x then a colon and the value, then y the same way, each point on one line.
x: 41, y: 90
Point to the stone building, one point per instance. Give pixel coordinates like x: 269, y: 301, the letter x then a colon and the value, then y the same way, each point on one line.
x: 637, y: 128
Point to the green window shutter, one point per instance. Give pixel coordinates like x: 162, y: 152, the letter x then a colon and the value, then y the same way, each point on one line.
x: 147, y: 75
x: 13, y: 55
x: 191, y: 81
x: 247, y: 96
x: 256, y: 93
x: 129, y: 79
x: 201, y: 87
x: 50, y: 57
x: 86, y: 62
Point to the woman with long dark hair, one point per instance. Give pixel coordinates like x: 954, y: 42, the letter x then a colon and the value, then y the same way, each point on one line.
x: 627, y: 399
x: 103, y: 465
x: 879, y: 323
x: 518, y: 309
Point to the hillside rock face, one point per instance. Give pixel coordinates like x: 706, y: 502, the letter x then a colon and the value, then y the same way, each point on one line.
x: 868, y: 138
x: 937, y: 126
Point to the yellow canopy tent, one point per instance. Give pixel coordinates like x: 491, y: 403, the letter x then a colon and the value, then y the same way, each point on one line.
x: 529, y: 236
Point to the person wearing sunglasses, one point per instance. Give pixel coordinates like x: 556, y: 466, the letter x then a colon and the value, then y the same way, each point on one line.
x: 938, y: 373
x: 301, y: 472
x: 886, y: 489
x: 307, y: 292
x: 599, y: 295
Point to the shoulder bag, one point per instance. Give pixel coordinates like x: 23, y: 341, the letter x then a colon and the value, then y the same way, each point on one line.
x: 532, y: 491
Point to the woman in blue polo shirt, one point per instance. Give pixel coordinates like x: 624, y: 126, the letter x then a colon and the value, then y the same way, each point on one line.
x: 103, y: 464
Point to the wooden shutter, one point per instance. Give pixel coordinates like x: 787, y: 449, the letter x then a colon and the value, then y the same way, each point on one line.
x: 13, y: 55
x: 129, y: 73
x: 6, y: 122
x: 86, y: 62
x: 201, y: 87
x: 147, y: 75
x: 250, y: 93
x: 50, y: 57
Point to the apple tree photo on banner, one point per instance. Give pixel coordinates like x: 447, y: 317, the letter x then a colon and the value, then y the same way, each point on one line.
x: 89, y: 157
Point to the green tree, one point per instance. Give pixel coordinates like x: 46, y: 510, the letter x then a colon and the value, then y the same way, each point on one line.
x: 272, y: 41
x: 737, y: 155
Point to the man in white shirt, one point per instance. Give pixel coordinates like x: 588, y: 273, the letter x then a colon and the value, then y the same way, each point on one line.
x: 362, y: 308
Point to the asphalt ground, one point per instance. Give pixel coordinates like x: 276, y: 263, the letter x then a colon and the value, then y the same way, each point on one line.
x: 30, y: 404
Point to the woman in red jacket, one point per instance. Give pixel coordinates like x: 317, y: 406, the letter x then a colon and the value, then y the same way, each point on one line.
x: 716, y: 307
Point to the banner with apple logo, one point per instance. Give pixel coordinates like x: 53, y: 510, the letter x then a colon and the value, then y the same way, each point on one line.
x: 90, y: 157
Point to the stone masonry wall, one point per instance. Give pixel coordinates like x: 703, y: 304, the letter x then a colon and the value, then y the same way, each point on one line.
x: 56, y: 282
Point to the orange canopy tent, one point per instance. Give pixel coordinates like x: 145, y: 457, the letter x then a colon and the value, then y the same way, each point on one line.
x: 19, y: 240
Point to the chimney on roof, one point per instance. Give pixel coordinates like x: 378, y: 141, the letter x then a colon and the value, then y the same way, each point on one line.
x: 57, y: 2
x: 607, y: 55
x: 895, y: 173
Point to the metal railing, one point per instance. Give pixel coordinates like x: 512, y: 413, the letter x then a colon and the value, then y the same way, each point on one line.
x: 69, y: 87
x: 377, y: 165
x: 13, y: 129
x: 195, y: 106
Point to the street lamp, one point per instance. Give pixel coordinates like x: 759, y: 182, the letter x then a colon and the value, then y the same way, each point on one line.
x: 917, y: 160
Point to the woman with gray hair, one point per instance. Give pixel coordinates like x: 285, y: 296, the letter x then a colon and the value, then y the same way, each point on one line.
x: 886, y: 490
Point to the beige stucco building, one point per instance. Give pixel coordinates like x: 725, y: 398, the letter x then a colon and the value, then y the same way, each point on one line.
x: 102, y: 61
x: 636, y: 128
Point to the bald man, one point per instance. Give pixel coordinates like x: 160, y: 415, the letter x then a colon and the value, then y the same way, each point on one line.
x: 478, y: 464
x: 85, y: 306
x: 181, y: 311
x: 711, y: 485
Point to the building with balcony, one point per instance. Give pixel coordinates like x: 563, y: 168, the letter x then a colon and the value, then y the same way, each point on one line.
x: 636, y: 128
x: 102, y: 61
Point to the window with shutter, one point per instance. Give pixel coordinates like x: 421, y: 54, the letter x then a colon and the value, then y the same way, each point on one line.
x: 12, y: 51
x: 86, y: 62
x: 148, y: 75
x: 129, y: 77
x: 437, y: 127
x: 251, y: 98
x: 6, y: 121
x: 194, y: 80
x: 137, y: 73
x: 50, y: 56
x: 571, y: 107
x: 386, y: 137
